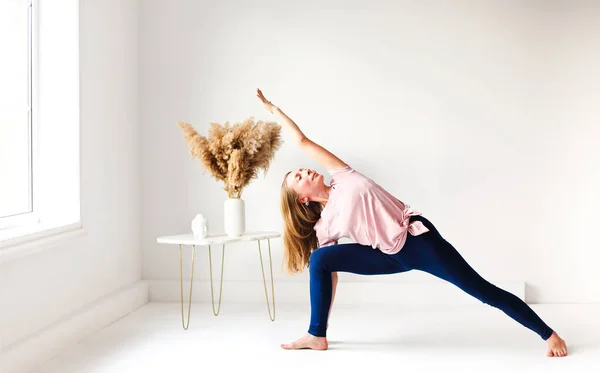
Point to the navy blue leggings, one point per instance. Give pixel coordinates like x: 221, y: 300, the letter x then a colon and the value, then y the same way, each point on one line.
x: 428, y: 252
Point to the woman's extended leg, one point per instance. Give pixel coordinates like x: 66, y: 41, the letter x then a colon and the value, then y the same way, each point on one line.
x: 353, y: 258
x: 431, y: 253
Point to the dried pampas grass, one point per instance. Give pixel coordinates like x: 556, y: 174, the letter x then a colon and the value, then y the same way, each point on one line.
x: 235, y: 153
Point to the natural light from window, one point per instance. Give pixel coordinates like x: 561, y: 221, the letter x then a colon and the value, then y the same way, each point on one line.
x: 15, y: 98
x: 39, y: 120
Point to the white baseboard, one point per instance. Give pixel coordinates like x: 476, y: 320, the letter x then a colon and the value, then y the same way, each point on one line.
x: 384, y: 292
x: 30, y: 353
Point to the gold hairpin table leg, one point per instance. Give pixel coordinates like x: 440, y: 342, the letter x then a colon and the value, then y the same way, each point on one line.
x: 216, y: 312
x: 185, y: 327
x: 272, y: 317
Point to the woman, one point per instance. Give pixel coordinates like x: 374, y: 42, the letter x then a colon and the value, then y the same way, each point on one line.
x: 390, y: 237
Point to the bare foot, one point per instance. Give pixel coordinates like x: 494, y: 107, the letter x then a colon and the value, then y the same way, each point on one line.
x: 308, y: 341
x: 556, y: 346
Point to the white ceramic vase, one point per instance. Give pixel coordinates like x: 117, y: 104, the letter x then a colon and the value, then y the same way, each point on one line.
x: 235, y: 217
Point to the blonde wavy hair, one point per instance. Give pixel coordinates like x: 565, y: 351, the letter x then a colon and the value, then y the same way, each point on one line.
x: 299, y: 236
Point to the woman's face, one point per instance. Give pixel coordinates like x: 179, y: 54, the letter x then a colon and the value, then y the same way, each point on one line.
x: 305, y: 182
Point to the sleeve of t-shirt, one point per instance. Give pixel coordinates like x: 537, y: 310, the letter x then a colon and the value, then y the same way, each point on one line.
x: 341, y: 170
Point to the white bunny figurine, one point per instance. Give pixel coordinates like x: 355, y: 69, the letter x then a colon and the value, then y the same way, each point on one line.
x: 200, y: 226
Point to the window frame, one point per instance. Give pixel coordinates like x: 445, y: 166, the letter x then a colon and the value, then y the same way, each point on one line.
x: 32, y: 216
x: 43, y: 227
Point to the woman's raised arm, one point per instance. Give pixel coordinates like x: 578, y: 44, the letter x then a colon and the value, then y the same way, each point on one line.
x: 314, y: 150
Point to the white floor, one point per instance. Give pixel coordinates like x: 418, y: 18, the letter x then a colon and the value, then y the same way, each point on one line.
x: 368, y: 338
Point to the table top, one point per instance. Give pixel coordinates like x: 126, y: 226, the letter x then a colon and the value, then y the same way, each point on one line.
x: 189, y: 239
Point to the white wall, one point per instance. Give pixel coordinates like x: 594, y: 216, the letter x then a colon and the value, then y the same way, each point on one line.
x: 482, y: 115
x: 42, y: 289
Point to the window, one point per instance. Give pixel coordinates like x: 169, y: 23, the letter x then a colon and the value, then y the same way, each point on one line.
x: 16, y: 130
x: 39, y: 120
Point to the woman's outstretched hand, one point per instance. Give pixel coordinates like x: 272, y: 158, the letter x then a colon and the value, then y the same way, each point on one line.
x: 268, y: 105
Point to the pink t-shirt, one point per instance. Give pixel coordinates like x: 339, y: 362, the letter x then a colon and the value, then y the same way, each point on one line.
x: 363, y: 211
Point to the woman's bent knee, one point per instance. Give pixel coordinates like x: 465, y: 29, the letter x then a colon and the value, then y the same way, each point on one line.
x: 318, y: 260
